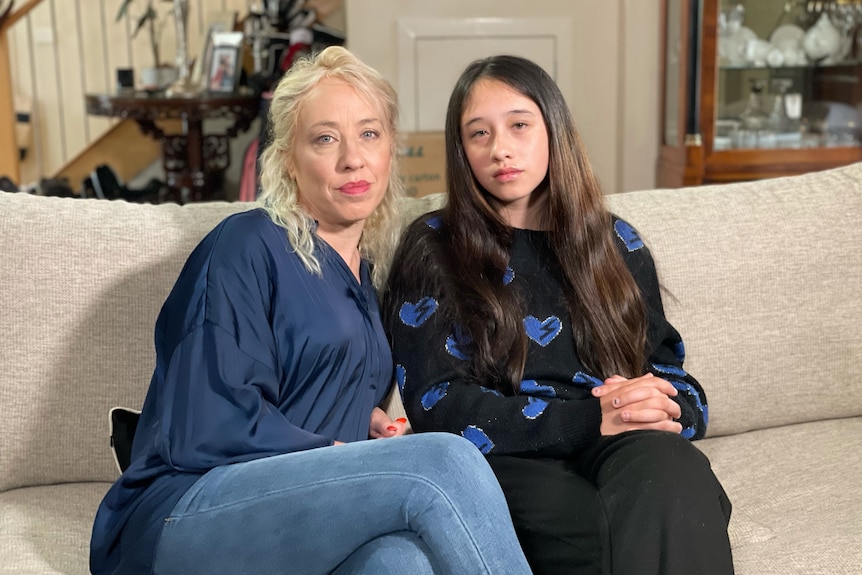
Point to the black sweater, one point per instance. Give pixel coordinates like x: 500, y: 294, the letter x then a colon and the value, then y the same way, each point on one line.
x: 553, y: 414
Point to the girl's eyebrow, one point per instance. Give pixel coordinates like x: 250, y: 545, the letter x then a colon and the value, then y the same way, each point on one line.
x: 516, y: 111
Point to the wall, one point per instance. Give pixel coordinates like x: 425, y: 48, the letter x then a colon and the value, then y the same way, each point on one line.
x: 614, y: 68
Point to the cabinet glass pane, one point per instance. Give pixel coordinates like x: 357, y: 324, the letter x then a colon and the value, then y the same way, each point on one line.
x: 789, y: 74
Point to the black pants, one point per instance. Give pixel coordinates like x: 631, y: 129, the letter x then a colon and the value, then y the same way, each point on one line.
x: 638, y: 503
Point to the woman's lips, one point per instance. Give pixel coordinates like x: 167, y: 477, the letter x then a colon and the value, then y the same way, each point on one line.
x: 354, y: 188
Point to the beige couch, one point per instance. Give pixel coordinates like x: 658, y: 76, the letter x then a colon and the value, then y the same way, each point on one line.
x: 762, y: 279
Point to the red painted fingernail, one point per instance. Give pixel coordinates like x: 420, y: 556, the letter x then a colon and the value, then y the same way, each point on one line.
x: 401, y: 420
x: 391, y: 428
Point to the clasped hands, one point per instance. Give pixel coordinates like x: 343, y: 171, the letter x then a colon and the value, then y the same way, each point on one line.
x: 627, y: 404
x: 638, y: 403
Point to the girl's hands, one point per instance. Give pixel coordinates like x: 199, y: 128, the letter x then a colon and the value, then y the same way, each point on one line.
x: 382, y: 426
x: 639, y: 403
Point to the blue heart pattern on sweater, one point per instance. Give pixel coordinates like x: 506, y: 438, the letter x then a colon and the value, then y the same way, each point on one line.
x: 400, y: 377
x: 457, y: 343
x: 587, y: 380
x: 434, y: 395
x: 628, y: 235
x: 478, y: 438
x: 532, y: 387
x: 415, y: 314
x: 434, y: 222
x: 508, y: 276
x: 491, y: 391
x: 679, y: 351
x: 544, y: 331
x: 534, y: 408
x: 670, y: 369
x: 687, y: 388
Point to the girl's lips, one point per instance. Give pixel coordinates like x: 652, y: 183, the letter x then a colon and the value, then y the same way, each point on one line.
x: 355, y: 188
x: 506, y: 174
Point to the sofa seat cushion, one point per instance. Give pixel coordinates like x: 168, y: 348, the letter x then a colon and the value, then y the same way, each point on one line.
x: 795, y: 492
x: 45, y: 530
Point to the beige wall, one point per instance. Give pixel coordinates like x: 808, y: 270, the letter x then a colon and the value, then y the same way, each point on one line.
x: 614, y: 63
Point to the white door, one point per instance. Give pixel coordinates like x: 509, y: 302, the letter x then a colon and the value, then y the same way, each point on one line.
x: 432, y: 52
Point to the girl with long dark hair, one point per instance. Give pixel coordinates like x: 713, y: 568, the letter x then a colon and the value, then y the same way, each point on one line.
x: 527, y: 318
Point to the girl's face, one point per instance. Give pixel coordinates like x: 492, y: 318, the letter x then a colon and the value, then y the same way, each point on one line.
x: 506, y: 142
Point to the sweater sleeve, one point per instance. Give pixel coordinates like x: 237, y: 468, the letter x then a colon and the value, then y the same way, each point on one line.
x: 665, y: 348
x: 439, y: 393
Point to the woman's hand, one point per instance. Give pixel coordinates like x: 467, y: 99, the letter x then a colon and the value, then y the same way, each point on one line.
x: 639, y: 403
x: 382, y: 426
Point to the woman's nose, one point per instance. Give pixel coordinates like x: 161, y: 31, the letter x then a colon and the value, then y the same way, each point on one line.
x: 351, y: 156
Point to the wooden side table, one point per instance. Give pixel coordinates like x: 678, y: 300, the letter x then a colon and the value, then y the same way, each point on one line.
x: 192, y: 160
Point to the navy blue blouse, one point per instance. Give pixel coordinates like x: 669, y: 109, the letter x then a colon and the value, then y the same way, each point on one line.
x: 255, y: 356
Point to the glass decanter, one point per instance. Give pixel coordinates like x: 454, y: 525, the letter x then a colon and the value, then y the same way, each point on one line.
x: 754, y: 119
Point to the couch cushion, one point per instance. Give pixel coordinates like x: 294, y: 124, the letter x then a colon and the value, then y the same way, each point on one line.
x: 46, y: 530
x: 795, y: 492
x: 762, y: 280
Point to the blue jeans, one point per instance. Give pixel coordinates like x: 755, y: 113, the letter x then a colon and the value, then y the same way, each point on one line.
x: 425, y: 503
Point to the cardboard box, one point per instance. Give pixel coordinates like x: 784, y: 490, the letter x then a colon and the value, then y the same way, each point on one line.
x: 422, y: 161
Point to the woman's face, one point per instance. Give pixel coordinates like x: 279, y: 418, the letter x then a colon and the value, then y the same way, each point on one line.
x: 341, y: 156
x: 506, y: 142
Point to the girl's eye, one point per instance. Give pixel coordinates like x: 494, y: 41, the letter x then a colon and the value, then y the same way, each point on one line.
x: 520, y: 125
x: 479, y: 133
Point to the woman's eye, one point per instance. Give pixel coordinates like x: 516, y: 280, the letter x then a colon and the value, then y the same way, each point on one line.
x: 479, y: 133
x: 326, y: 139
x: 369, y: 134
x: 520, y: 125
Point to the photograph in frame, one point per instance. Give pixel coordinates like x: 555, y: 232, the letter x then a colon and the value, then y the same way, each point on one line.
x: 216, y: 22
x: 224, y: 69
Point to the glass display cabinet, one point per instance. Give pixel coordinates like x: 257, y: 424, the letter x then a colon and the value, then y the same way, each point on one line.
x: 759, y: 88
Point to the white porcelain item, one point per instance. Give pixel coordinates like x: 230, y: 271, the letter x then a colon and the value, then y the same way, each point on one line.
x: 822, y: 42
x: 787, y: 34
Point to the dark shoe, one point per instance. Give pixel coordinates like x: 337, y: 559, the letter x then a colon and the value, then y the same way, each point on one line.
x: 7, y: 185
x: 57, y: 187
x: 106, y: 184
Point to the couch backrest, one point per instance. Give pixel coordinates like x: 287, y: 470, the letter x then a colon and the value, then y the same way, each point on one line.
x: 763, y: 281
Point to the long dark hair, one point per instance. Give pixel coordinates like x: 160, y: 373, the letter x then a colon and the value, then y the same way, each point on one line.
x: 605, y: 307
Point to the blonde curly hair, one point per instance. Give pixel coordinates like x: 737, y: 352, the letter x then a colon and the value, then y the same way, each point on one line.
x: 279, y: 195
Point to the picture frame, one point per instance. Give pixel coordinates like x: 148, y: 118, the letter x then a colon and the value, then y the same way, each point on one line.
x: 223, y: 71
x: 215, y: 22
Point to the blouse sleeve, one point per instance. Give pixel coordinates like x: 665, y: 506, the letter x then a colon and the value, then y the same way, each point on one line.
x: 665, y: 348
x: 218, y: 360
x: 439, y: 396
